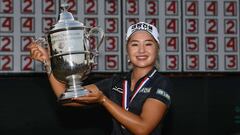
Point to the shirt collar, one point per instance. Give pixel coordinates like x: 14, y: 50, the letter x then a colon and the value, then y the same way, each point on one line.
x: 149, y: 74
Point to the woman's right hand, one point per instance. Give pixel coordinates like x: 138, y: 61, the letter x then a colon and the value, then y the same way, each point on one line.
x: 37, y: 52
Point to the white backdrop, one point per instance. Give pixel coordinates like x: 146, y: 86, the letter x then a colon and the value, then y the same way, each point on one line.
x: 195, y: 36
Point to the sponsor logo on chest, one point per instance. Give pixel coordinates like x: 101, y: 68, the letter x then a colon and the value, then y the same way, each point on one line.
x: 117, y: 89
x: 145, y: 90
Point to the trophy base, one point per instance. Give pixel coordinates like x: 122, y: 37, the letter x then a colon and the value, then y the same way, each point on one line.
x: 68, y: 95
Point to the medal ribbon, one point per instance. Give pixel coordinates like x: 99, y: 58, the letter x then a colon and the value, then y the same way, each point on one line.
x: 127, y: 92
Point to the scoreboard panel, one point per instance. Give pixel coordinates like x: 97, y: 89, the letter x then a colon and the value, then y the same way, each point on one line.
x: 166, y: 16
x: 21, y: 21
x: 195, y: 35
x: 211, y: 36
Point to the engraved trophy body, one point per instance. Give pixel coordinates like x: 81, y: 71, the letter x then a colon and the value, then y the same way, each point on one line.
x: 70, y: 53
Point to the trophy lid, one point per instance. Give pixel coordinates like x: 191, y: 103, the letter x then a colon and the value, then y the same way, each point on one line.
x: 66, y: 19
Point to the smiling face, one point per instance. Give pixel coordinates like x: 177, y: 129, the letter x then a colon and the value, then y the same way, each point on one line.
x: 142, y: 49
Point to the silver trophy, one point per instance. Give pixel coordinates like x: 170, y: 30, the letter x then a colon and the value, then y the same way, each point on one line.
x: 71, y: 56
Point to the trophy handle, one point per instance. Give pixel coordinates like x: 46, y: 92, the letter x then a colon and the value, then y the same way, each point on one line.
x: 41, y: 42
x: 93, y: 32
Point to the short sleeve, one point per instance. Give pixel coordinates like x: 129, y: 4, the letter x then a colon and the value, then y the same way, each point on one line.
x: 105, y: 85
x: 162, y: 91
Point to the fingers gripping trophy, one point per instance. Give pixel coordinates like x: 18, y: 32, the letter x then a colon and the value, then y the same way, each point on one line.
x: 70, y: 53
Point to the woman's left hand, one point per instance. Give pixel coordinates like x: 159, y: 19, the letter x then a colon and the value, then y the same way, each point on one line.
x: 94, y: 96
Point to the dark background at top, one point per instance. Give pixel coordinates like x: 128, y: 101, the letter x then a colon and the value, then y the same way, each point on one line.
x: 202, y: 105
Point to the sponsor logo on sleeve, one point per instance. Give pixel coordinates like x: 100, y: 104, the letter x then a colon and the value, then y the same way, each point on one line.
x: 163, y: 93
